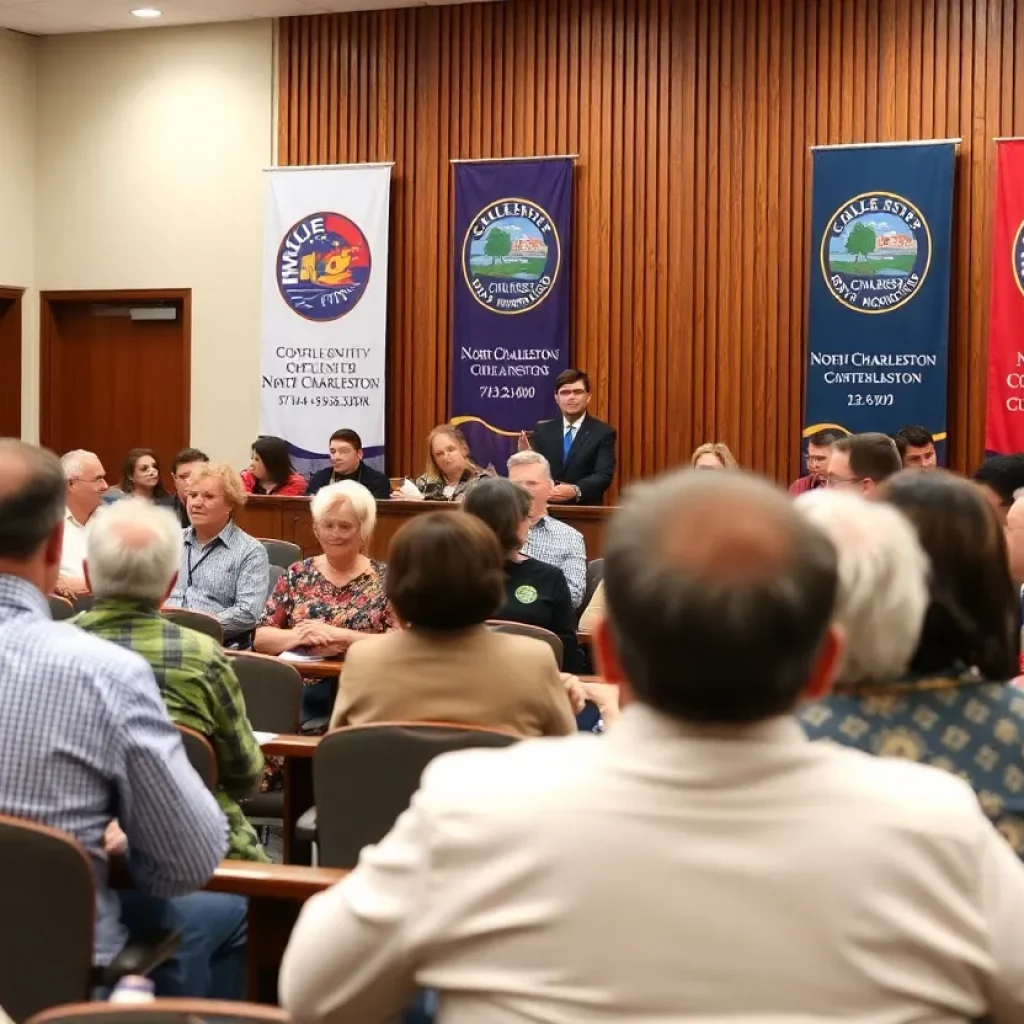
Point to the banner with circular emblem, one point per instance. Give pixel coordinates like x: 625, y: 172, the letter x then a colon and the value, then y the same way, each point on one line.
x: 878, y: 325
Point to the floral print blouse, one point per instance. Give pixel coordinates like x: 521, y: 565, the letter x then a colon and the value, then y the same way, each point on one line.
x: 433, y: 490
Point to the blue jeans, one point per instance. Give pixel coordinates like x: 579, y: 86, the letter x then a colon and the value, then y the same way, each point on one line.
x: 211, y: 963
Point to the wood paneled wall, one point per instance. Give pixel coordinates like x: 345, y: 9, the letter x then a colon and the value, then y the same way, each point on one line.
x: 692, y: 120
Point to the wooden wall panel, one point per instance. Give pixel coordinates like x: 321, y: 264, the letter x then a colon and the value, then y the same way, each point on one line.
x: 692, y: 119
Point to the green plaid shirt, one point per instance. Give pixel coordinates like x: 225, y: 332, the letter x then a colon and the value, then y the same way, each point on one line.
x: 201, y: 692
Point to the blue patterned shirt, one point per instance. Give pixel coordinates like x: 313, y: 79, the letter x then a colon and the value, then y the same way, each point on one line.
x: 228, y: 578
x: 964, y: 725
x: 85, y: 738
x: 558, y: 544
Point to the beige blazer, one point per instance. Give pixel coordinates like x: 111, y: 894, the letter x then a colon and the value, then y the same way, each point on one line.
x: 475, y: 677
x: 595, y: 610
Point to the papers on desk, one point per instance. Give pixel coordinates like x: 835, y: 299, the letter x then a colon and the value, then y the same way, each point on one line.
x: 264, y: 737
x: 299, y: 656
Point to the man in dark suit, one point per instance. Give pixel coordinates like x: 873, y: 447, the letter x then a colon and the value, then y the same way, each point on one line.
x: 346, y: 448
x: 579, y: 448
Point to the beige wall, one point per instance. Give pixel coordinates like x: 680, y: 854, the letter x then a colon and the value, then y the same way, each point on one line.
x: 150, y: 150
x: 17, y: 199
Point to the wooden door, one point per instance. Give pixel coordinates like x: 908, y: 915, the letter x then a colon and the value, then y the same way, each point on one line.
x: 10, y: 362
x: 111, y: 381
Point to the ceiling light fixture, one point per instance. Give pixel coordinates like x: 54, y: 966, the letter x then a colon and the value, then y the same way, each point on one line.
x: 146, y: 12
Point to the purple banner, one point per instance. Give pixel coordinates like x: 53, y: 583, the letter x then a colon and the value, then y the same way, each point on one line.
x: 511, y: 314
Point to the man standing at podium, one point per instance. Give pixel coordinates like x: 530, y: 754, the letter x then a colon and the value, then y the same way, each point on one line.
x: 579, y: 448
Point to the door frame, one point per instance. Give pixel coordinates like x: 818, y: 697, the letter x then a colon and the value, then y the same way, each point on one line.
x: 16, y: 295
x: 48, y: 341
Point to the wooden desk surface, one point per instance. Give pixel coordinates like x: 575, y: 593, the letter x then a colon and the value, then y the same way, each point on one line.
x: 273, y: 881
x: 290, y: 745
x: 289, y: 519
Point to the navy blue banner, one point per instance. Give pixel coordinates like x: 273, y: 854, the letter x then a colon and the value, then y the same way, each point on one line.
x: 878, y: 329
x: 511, y: 302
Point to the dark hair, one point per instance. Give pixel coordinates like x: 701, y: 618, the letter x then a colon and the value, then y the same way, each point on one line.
x: 825, y: 438
x: 445, y: 571
x: 350, y: 436
x: 872, y: 456
x: 503, y: 506
x: 273, y: 451
x: 571, y: 376
x: 128, y: 471
x: 1003, y: 474
x: 185, y: 456
x: 911, y: 437
x: 972, y: 614
x: 727, y: 629
x: 29, y: 514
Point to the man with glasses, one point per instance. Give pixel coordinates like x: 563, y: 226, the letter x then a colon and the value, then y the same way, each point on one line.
x: 862, y: 461
x: 185, y: 463
x: 579, y: 448
x: 819, y: 448
x: 346, y: 450
x: 85, y: 480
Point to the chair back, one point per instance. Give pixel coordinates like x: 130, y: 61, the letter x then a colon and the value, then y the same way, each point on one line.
x: 524, y: 629
x: 199, y: 621
x: 83, y: 602
x: 364, y: 777
x: 281, y: 552
x: 274, y: 573
x: 595, y: 573
x: 61, y: 608
x: 47, y: 902
x: 200, y: 756
x: 161, y: 1011
x: 272, y: 690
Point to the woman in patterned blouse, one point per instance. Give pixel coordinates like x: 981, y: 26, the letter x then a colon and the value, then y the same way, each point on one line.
x: 450, y: 470
x: 324, y: 604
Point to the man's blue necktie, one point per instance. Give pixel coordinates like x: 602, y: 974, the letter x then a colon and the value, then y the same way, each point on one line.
x: 567, y: 442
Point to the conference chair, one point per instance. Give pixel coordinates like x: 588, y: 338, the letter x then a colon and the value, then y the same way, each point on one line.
x: 200, y: 756
x: 199, y: 621
x: 364, y: 777
x: 83, y: 602
x: 61, y: 608
x: 595, y: 573
x: 524, y: 629
x: 274, y: 573
x: 162, y: 1011
x: 47, y: 899
x: 281, y: 552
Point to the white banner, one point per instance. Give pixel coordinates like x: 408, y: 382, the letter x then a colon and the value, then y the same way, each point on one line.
x: 325, y: 296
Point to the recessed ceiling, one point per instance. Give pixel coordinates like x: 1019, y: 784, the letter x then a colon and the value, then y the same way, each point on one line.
x: 59, y: 17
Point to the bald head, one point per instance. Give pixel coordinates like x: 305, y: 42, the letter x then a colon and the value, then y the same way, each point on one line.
x: 133, y: 552
x: 720, y: 596
x: 31, y: 498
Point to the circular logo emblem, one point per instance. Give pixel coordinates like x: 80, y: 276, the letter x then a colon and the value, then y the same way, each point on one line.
x: 526, y: 595
x: 511, y: 256
x: 875, y: 252
x: 323, y: 266
x: 1018, y: 257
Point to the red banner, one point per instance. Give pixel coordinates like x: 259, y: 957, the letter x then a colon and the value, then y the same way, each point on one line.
x: 1004, y: 427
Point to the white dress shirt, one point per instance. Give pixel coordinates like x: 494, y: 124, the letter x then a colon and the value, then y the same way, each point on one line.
x: 72, y: 553
x: 659, y: 874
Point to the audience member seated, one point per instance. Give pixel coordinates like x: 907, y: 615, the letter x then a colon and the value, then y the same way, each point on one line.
x: 132, y: 559
x: 550, y: 540
x: 1001, y: 479
x: 713, y: 455
x: 916, y: 447
x: 535, y: 593
x: 450, y: 470
x: 1015, y: 541
x: 445, y: 579
x: 271, y: 470
x: 184, y: 465
x: 346, y: 450
x: 325, y: 604
x: 85, y: 736
x: 819, y: 447
x: 224, y: 572
x: 86, y: 482
x: 953, y: 708
x: 701, y: 862
x: 861, y: 462
x: 140, y: 476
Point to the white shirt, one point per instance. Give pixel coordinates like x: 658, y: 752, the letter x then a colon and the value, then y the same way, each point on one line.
x: 72, y: 554
x: 659, y: 874
x: 575, y: 426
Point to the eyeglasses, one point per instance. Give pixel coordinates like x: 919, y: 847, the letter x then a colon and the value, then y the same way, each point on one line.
x: 840, y: 481
x: 572, y: 392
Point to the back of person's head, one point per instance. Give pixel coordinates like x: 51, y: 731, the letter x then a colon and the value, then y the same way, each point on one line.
x: 972, y: 613
x: 720, y: 598
x: 133, y: 551
x: 911, y: 437
x: 825, y: 438
x: 883, y: 582
x: 276, y: 459
x: 32, y: 489
x: 187, y: 456
x: 872, y: 456
x: 1003, y: 475
x: 503, y: 506
x: 445, y: 572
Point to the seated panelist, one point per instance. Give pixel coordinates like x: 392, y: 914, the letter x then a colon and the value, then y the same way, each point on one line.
x: 346, y: 448
x: 271, y: 470
x: 450, y: 469
x: 713, y: 455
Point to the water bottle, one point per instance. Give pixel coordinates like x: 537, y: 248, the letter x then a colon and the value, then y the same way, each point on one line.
x: 133, y: 988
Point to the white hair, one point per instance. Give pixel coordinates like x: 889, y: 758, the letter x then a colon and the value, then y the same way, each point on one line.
x: 133, y: 550
x: 362, y: 501
x: 530, y: 458
x: 73, y: 462
x: 883, y: 582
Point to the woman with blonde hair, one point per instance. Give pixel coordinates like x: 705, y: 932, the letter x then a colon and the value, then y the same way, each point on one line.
x: 713, y: 455
x: 450, y: 469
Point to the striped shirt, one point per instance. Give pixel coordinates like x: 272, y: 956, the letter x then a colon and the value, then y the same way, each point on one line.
x: 85, y: 738
x: 228, y: 578
x: 563, y: 547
